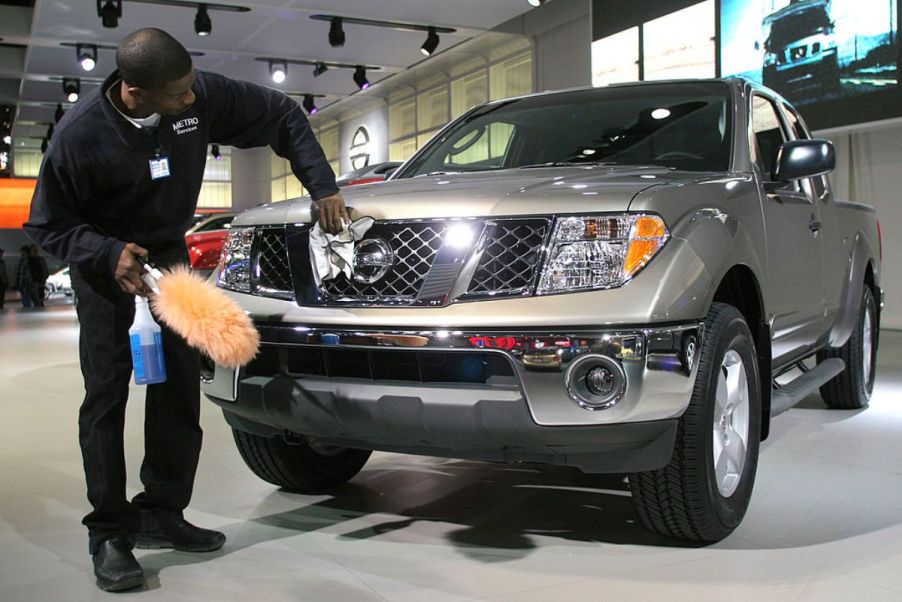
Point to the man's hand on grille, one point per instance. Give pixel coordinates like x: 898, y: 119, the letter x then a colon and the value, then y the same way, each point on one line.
x: 332, y: 211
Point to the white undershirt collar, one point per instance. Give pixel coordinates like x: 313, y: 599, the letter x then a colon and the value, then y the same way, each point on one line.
x: 144, y: 122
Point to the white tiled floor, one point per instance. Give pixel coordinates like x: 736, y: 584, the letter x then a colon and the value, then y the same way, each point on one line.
x: 825, y: 521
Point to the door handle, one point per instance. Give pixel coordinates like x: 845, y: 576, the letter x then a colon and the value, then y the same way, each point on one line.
x: 814, y: 225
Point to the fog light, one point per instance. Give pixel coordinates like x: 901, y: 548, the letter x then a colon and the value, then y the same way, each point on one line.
x: 595, y: 382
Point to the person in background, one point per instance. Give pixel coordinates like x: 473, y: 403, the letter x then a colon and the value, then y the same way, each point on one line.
x: 119, y: 182
x: 4, y: 280
x: 24, y: 281
x: 39, y: 274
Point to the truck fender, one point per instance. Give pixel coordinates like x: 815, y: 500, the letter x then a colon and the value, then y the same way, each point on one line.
x: 849, y: 307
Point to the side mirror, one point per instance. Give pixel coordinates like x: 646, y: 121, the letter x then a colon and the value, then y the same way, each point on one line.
x: 799, y: 159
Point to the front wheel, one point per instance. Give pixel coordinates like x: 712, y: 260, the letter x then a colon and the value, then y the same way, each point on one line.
x: 702, y: 495
x: 851, y: 389
x: 302, y: 466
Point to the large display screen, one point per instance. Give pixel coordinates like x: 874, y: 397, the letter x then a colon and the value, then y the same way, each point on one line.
x: 813, y: 51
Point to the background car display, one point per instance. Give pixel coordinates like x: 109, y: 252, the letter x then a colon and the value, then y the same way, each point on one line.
x: 630, y: 279
x: 368, y: 174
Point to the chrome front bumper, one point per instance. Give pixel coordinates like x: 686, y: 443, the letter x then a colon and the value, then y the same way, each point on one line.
x: 659, y: 365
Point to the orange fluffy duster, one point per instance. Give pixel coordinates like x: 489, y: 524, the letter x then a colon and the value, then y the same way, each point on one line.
x: 205, y: 317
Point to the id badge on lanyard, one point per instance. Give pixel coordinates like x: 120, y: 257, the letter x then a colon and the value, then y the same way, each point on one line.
x: 159, y: 168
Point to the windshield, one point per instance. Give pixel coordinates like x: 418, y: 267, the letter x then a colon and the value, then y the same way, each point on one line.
x: 795, y: 26
x: 684, y: 126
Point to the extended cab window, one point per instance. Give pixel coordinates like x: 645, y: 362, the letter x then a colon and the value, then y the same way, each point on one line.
x: 768, y: 132
x: 681, y: 126
x: 820, y: 183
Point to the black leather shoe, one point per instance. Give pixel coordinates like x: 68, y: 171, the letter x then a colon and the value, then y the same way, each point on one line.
x: 115, y: 566
x: 162, y: 529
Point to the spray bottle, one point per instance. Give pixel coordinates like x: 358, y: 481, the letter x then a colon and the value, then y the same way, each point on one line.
x: 147, y: 346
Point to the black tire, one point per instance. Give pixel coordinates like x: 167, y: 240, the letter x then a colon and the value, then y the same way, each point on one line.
x: 298, y: 466
x: 851, y: 389
x: 683, y: 500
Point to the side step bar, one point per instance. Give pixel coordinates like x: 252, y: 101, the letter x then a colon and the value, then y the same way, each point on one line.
x: 810, y: 381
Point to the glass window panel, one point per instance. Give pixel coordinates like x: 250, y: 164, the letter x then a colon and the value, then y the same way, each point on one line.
x: 616, y: 58
x: 401, y: 151
x: 277, y: 165
x: 293, y: 187
x: 469, y: 91
x: 680, y: 45
x: 425, y: 136
x: 512, y: 77
x: 219, y: 170
x: 27, y: 163
x: 277, y: 190
x: 215, y: 194
x: 402, y: 119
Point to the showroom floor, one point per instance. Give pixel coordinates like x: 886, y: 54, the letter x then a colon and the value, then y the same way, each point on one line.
x: 825, y: 521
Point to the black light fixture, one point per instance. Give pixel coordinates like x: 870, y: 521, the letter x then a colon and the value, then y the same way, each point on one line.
x: 58, y: 114
x: 49, y: 132
x: 109, y: 12
x: 319, y: 68
x: 309, y: 104
x: 278, y: 70
x: 431, y: 42
x: 336, y: 32
x: 87, y: 56
x: 203, y: 26
x: 360, y: 77
x: 71, y: 88
x: 43, y: 145
x: 214, y: 151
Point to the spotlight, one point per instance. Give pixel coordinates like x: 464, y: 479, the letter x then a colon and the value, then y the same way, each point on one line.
x: 536, y: 2
x: 71, y: 88
x: 278, y: 70
x: 203, y: 26
x: 109, y: 12
x: 44, y: 145
x: 431, y: 43
x: 7, y: 140
x: 214, y: 152
x: 58, y: 114
x: 336, y: 33
x: 309, y: 105
x: 360, y: 77
x: 87, y: 56
x: 319, y: 69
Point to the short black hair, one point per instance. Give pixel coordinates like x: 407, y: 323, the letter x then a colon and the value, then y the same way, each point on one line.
x: 150, y: 58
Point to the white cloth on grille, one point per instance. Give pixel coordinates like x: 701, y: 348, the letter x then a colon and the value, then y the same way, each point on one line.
x: 333, y: 254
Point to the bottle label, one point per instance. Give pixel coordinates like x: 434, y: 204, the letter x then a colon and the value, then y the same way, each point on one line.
x: 137, y: 357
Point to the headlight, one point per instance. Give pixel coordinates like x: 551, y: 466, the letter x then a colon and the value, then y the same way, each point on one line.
x: 600, y: 251
x: 235, y: 262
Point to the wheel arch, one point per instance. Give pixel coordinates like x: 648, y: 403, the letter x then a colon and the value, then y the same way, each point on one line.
x: 861, y: 271
x: 740, y: 288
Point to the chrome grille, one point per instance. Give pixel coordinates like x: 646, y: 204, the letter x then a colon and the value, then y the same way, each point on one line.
x: 414, y: 245
x: 510, y: 258
x: 272, y: 273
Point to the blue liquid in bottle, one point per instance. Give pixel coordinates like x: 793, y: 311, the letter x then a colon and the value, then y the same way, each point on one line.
x: 147, y: 346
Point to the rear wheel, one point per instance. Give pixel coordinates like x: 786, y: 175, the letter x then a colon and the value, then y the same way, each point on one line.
x: 302, y: 466
x: 702, y: 495
x: 852, y: 388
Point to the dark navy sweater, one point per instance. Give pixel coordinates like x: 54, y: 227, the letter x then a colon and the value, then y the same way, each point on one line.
x: 94, y: 192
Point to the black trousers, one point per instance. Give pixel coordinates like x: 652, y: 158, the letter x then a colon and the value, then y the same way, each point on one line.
x: 172, y: 433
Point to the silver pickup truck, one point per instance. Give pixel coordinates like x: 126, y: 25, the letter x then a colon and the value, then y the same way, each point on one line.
x: 632, y: 279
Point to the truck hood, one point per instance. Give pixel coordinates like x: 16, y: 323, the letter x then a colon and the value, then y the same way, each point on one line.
x: 531, y: 191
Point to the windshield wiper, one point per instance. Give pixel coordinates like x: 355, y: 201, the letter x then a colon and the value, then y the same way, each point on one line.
x: 566, y: 164
x: 435, y: 173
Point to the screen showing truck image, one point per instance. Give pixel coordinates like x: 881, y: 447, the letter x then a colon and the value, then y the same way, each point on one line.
x: 812, y: 50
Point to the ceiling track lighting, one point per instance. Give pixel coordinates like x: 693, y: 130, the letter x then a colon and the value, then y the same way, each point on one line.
x: 319, y: 68
x: 109, y: 12
x: 536, y: 2
x: 203, y: 26
x: 337, y: 35
x: 71, y: 88
x: 360, y: 77
x: 431, y: 42
x: 336, y: 32
x: 309, y: 104
x: 87, y: 56
x: 215, y: 152
x: 278, y: 70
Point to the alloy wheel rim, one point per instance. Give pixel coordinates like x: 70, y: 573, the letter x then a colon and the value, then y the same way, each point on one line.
x: 731, y: 423
x: 867, y: 341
